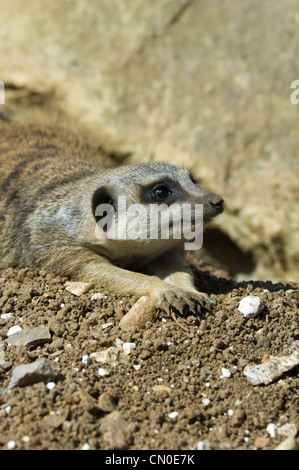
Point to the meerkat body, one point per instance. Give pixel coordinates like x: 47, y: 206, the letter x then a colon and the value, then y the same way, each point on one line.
x: 50, y: 189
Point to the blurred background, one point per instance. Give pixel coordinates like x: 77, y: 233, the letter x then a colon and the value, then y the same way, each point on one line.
x: 204, y: 84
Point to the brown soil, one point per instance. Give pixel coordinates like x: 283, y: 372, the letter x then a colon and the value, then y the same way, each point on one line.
x: 183, y: 357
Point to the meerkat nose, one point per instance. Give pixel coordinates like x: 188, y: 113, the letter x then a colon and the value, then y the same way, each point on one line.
x: 216, y: 203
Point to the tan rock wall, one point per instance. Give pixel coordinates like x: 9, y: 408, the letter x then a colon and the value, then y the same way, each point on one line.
x: 205, y: 84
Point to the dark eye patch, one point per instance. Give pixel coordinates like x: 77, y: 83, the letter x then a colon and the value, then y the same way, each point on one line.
x: 166, y: 191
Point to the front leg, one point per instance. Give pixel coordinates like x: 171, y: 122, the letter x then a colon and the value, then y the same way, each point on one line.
x: 85, y: 265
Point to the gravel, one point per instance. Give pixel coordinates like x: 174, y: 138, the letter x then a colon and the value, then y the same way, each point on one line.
x: 97, y: 397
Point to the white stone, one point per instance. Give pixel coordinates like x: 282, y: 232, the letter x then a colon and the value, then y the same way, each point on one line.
x: 271, y: 429
x: 51, y: 385
x: 97, y: 296
x: 13, y: 329
x: 6, y: 316
x: 225, y: 373
x: 129, y: 347
x: 202, y: 445
x: 250, y: 306
x: 173, y: 415
x: 102, y: 372
x: 11, y: 445
x: 86, y: 359
x: 206, y: 401
x: 85, y: 446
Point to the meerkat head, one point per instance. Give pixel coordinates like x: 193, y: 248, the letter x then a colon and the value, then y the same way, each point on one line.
x: 148, y: 204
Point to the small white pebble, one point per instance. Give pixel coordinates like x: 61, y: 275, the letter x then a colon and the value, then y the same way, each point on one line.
x: 97, y: 296
x: 225, y: 373
x: 250, y: 306
x: 86, y: 359
x: 13, y: 329
x: 102, y: 372
x: 6, y: 316
x: 136, y: 366
x: 7, y: 409
x: 85, y: 446
x: 230, y: 412
x: 129, y: 347
x: 202, y: 445
x: 106, y: 325
x: 26, y: 439
x: 11, y: 445
x: 271, y: 429
x: 206, y: 401
x: 160, y: 379
x: 173, y: 415
x: 51, y: 385
x: 62, y: 305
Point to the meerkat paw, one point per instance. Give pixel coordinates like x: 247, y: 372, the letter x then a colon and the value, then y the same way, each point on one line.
x: 182, y: 301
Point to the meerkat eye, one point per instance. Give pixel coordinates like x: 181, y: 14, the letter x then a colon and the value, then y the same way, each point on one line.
x: 161, y: 192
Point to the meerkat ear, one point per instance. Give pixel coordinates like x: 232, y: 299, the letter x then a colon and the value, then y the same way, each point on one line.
x: 101, y: 196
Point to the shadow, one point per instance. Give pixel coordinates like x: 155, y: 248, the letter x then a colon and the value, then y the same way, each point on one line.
x: 210, y: 283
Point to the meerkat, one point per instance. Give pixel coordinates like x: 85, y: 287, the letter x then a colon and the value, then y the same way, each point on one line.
x: 50, y: 189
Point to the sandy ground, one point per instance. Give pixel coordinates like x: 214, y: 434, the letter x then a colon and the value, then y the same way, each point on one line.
x: 181, y: 386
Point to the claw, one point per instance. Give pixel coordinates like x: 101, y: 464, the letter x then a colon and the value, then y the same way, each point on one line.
x: 182, y: 301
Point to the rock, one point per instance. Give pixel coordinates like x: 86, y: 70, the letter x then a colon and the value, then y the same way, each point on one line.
x: 86, y: 359
x: 143, y: 311
x: 27, y: 374
x: 129, y: 347
x: 288, y: 444
x: 88, y: 402
x: 202, y: 445
x: 109, y: 355
x: 3, y: 363
x: 14, y: 329
x: 261, y: 442
x: 78, y: 288
x: 106, y: 402
x: 272, y: 369
x: 30, y: 337
x: 238, y: 418
x: 271, y: 429
x: 53, y: 421
x: 161, y: 389
x: 97, y: 296
x: 287, y: 430
x: 250, y: 306
x: 115, y: 431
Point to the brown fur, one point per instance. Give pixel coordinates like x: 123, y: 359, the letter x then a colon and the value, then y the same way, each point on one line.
x: 48, y: 180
